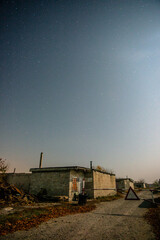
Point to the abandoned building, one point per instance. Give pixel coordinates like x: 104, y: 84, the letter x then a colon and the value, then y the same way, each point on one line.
x: 139, y: 185
x: 65, y: 181
x: 124, y: 183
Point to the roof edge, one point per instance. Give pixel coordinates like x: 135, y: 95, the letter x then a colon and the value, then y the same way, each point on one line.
x: 53, y: 169
x: 121, y: 179
x: 97, y: 170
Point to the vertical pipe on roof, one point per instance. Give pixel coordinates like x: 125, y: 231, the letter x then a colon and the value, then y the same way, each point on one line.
x: 41, y: 159
x: 91, y: 165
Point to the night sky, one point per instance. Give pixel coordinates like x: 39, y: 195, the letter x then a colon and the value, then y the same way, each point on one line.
x: 80, y: 81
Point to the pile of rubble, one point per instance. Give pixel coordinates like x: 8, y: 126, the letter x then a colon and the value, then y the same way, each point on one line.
x: 9, y: 194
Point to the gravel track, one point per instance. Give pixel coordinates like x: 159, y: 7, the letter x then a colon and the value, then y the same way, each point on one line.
x: 120, y: 220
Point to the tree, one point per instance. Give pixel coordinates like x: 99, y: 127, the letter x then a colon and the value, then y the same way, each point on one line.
x: 156, y: 183
x: 104, y: 169
x: 141, y: 180
x: 100, y: 168
x: 3, y: 165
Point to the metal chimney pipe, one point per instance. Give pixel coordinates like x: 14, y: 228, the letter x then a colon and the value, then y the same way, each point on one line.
x: 91, y: 165
x: 41, y: 159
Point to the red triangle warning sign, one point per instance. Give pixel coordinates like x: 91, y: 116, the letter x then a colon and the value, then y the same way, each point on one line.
x: 131, y: 195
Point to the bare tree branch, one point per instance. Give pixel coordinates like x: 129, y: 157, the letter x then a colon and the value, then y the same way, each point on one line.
x: 3, y: 165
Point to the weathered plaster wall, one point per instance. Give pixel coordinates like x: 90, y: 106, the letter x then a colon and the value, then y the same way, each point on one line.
x: 124, y: 184
x: 89, y: 184
x: 139, y: 185
x: 20, y: 180
x: 56, y: 183
x: 120, y: 184
x: 103, y: 181
x: 129, y: 184
x: 79, y: 176
x: 60, y: 183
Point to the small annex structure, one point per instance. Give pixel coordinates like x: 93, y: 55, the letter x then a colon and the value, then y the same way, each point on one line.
x: 124, y: 183
x: 139, y: 185
x: 65, y: 181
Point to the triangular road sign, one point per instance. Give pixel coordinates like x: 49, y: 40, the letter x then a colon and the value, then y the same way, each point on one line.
x: 131, y: 195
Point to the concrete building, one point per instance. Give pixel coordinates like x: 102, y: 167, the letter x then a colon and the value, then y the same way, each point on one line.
x: 65, y: 181
x: 139, y: 185
x: 124, y: 183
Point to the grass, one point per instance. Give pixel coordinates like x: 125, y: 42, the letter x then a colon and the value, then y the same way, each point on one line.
x: 108, y: 198
x: 20, y: 215
x: 32, y: 217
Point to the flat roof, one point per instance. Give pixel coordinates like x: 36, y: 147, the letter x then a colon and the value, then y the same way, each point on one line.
x: 121, y: 179
x: 68, y: 168
x: 54, y: 169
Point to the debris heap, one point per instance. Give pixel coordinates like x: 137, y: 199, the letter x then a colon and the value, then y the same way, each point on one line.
x: 9, y: 194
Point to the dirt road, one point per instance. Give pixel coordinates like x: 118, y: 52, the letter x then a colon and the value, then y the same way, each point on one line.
x: 118, y: 220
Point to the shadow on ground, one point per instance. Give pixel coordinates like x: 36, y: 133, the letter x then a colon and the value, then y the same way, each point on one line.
x: 147, y: 203
x: 119, y: 215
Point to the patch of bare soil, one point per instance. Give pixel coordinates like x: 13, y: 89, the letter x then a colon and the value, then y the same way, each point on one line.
x: 25, y: 217
x: 32, y: 217
x: 153, y: 218
x: 112, y: 220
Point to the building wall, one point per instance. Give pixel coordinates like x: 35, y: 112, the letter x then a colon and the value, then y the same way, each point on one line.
x: 120, y: 184
x: 60, y: 183
x: 75, y: 183
x: 139, y: 185
x: 20, y: 180
x: 128, y: 184
x: 124, y: 184
x: 89, y: 184
x: 55, y: 183
x: 102, y: 181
